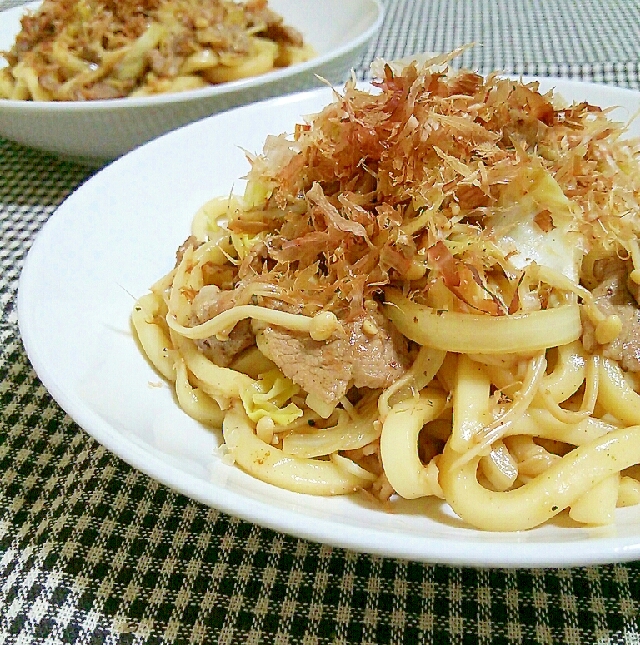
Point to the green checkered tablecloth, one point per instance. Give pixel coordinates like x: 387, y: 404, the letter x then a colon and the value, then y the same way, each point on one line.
x: 93, y: 551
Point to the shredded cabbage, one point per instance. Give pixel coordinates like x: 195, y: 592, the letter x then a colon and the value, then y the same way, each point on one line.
x: 268, y: 396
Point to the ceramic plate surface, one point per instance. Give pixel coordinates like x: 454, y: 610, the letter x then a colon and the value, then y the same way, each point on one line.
x: 115, y: 236
x: 93, y: 131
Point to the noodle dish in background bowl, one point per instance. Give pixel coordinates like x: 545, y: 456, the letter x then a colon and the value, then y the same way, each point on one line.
x: 95, y: 131
x: 396, y: 318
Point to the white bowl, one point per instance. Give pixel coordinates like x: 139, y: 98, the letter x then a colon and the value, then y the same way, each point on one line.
x: 95, y: 131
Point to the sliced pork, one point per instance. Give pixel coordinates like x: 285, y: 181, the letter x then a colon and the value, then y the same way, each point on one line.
x: 371, y: 354
x: 614, y: 295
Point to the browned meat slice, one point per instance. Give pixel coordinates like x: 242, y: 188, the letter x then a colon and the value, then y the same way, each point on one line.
x: 279, y: 32
x: 318, y: 367
x: 222, y: 352
x: 379, y: 355
x: 614, y: 295
x: 208, y: 303
x: 275, y: 28
x: 372, y: 354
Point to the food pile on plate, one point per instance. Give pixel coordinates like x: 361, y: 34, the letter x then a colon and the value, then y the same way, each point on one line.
x: 106, y: 49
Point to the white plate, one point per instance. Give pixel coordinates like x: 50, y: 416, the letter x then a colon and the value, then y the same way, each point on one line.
x: 339, y: 31
x: 110, y: 240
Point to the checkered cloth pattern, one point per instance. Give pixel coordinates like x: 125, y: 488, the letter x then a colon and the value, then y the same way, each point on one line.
x: 94, y: 552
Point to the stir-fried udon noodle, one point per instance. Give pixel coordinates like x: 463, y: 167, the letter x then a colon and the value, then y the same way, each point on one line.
x: 82, y: 50
x: 430, y: 288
